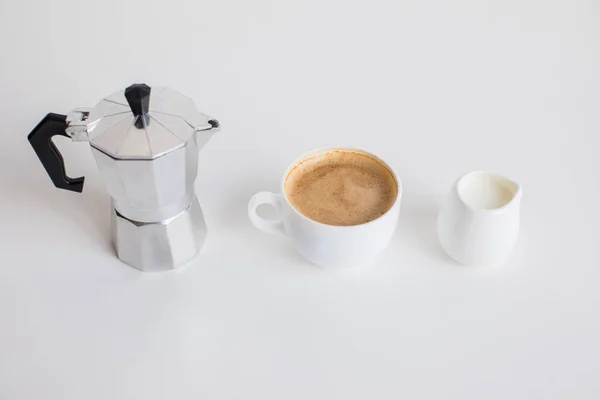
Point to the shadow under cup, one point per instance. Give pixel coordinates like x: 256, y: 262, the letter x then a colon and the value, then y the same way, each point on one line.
x: 329, y: 245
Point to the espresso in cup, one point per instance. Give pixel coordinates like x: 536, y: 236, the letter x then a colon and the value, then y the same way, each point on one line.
x: 339, y: 207
x: 341, y: 188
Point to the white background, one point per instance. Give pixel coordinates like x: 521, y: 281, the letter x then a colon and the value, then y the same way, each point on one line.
x: 435, y: 87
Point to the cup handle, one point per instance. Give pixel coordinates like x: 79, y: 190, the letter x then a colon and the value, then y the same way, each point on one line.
x: 266, y: 225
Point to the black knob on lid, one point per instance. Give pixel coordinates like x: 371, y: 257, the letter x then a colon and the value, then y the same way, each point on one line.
x: 138, y: 97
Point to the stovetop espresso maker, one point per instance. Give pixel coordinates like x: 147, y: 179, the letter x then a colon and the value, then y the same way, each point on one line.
x: 146, y: 143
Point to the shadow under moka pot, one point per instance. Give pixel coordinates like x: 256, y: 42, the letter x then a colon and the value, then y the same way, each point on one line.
x: 146, y: 143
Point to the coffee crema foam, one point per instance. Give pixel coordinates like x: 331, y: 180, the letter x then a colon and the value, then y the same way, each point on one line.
x: 341, y: 188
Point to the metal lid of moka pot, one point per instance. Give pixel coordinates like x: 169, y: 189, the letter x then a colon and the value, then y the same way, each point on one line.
x: 142, y: 123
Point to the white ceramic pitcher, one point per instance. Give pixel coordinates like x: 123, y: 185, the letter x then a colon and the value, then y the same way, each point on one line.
x: 478, y: 223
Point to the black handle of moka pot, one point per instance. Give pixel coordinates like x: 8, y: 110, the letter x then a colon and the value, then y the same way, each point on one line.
x: 41, y: 141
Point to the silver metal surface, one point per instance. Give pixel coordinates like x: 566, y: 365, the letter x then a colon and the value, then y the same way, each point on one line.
x: 110, y: 126
x: 151, y: 190
x: 159, y: 246
x: 157, y: 223
x: 77, y: 125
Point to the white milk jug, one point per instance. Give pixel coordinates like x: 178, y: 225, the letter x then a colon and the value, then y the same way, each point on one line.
x: 478, y: 223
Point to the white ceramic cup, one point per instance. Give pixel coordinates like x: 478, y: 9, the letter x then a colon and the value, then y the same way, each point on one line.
x: 322, y: 244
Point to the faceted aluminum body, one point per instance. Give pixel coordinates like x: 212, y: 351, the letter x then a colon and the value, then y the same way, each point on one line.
x: 159, y: 246
x: 157, y: 223
x: 151, y: 190
x: 149, y: 170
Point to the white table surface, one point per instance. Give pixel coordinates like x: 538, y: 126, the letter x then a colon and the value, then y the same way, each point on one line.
x: 435, y: 87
